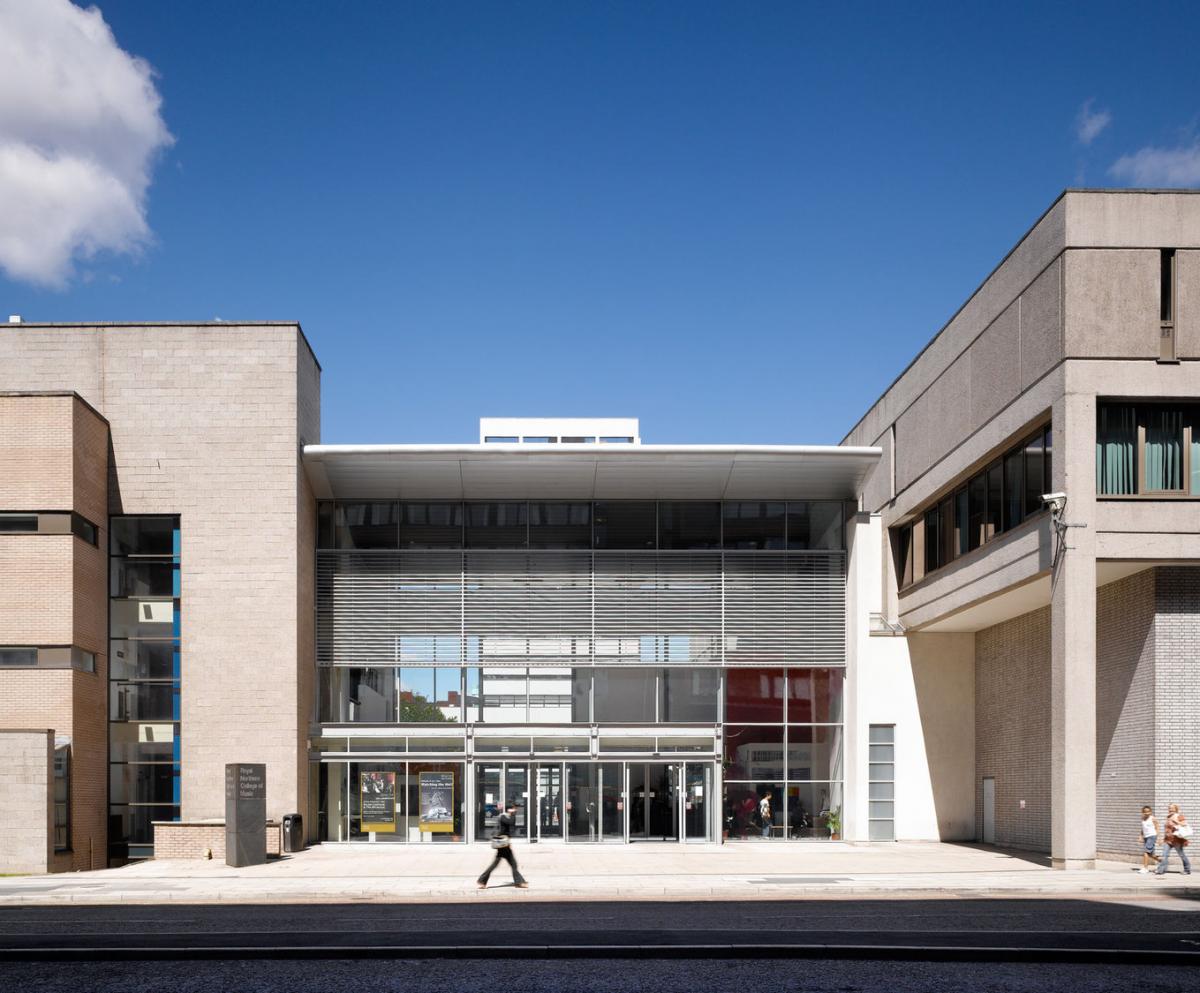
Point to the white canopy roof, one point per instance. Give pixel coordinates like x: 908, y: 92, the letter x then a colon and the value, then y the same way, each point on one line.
x: 587, y: 472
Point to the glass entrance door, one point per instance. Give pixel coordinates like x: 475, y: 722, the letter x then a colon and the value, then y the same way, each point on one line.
x: 612, y: 801
x: 654, y: 807
x: 697, y: 820
x: 498, y: 784
x: 550, y: 813
x: 595, y: 807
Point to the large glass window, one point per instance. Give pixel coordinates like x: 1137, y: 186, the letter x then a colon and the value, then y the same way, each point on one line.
x: 754, y: 696
x: 145, y: 681
x: 689, y: 525
x: 1148, y: 449
x: 358, y: 695
x: 560, y: 525
x: 992, y: 501
x: 977, y: 504
x: 815, y: 696
x: 815, y: 524
x: 1164, y: 451
x: 1014, y: 489
x: 1116, y: 450
x: 752, y: 525
x: 430, y: 696
x: 366, y: 525
x: 689, y: 695
x: 1035, y: 483
x: 626, y: 524
x: 504, y: 695
x: 62, y: 798
x: 431, y: 525
x: 624, y: 696
x: 497, y: 525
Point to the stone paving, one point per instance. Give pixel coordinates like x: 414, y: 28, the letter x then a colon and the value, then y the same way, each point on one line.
x: 744, y: 871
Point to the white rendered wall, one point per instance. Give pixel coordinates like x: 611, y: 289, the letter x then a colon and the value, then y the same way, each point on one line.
x: 924, y: 684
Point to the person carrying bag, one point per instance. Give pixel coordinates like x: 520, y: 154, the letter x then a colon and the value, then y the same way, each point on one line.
x: 502, y: 845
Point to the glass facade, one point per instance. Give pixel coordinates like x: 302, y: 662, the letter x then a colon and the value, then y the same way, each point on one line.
x: 145, y: 678
x: 624, y: 671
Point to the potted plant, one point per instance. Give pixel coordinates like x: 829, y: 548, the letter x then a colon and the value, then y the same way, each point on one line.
x: 833, y: 821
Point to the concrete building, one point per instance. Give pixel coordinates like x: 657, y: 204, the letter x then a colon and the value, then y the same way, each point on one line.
x: 893, y: 638
x: 1068, y: 641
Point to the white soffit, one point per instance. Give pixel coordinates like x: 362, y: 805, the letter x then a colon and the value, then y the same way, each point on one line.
x: 586, y: 472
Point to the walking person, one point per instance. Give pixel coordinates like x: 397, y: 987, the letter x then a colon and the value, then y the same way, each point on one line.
x: 1178, y: 831
x: 765, y: 815
x: 1149, y: 839
x: 502, y: 843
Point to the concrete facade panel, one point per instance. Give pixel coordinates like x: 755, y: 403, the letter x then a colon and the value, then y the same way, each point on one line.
x: 1187, y: 304
x: 1041, y: 325
x: 1132, y: 218
x: 1036, y: 250
x: 1112, y: 303
x: 995, y: 359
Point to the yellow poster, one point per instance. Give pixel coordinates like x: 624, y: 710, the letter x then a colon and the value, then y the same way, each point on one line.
x: 437, y: 802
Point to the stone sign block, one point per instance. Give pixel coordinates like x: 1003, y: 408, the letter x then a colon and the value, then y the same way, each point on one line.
x: 245, y: 814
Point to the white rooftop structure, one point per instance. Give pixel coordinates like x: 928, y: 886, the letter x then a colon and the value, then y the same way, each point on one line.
x: 559, y: 431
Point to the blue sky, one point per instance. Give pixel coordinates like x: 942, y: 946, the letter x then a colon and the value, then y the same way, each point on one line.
x: 738, y: 222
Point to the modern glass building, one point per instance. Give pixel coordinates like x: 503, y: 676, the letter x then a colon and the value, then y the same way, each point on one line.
x: 636, y: 643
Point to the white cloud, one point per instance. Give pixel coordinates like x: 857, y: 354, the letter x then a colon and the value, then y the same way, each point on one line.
x: 1160, y: 166
x: 80, y: 129
x: 1089, y: 123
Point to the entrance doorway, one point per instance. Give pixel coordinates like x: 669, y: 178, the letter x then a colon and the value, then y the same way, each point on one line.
x: 596, y: 802
x: 654, y: 801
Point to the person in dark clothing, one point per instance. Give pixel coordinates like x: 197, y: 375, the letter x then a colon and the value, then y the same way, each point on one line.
x: 504, y: 832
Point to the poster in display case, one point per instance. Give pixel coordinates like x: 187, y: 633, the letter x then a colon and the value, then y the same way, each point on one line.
x: 378, y: 799
x: 436, y: 796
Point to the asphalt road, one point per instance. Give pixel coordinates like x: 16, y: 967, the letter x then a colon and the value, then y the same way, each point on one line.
x: 590, y: 976
x: 832, y: 944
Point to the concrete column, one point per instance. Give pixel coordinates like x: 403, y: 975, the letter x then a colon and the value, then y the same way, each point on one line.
x: 859, y: 579
x: 1073, y: 640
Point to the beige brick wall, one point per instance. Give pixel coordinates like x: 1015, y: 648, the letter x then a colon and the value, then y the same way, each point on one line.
x: 36, y: 432
x: 1012, y: 728
x: 54, y: 592
x: 185, y: 840
x: 206, y: 422
x: 26, y: 808
x: 1124, y: 710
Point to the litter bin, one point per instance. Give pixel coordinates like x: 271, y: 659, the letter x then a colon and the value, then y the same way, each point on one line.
x: 293, y: 833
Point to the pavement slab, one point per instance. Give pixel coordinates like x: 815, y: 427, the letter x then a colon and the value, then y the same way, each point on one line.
x: 742, y: 872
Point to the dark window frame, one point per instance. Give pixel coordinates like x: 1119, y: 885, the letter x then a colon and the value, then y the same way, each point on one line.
x: 1189, y: 410
x: 932, y: 539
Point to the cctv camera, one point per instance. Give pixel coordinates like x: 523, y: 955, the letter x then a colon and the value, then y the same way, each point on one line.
x: 1056, y: 501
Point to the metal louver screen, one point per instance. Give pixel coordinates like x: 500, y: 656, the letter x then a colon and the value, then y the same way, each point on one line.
x: 496, y: 607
